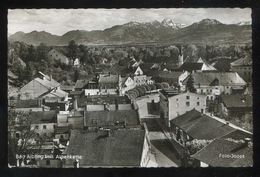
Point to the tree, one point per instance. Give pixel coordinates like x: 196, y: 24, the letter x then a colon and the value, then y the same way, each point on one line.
x: 31, y: 55
x: 72, y: 49
x: 190, y: 84
x: 42, y: 52
x: 27, y: 142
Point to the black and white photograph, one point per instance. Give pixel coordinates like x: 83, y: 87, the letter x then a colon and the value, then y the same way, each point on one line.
x: 127, y: 88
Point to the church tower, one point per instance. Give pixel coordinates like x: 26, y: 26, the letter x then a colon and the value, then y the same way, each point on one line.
x: 180, y: 57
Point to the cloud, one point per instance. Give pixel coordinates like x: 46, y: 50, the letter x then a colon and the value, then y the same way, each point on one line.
x: 59, y: 21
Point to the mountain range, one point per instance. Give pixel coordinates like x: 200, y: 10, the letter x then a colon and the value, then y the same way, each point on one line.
x: 166, y: 31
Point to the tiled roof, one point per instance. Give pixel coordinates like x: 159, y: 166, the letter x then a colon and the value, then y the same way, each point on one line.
x: 24, y: 103
x: 224, y: 78
x: 56, y: 92
x: 47, y: 83
x: 43, y: 117
x: 230, y: 144
x: 109, y: 118
x: 120, y: 148
x: 200, y: 126
x: 223, y: 65
x: 108, y: 79
x: 100, y: 100
x: 238, y: 101
x: 191, y: 66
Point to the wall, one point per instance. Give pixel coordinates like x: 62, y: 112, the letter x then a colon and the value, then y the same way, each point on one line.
x: 49, y: 131
x: 145, y: 153
x: 176, y: 105
x: 76, y: 122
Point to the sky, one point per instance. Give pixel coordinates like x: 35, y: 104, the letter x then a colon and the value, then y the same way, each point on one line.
x: 60, y: 21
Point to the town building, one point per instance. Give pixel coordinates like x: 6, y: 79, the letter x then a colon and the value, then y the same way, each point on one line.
x: 55, y: 55
x: 216, y: 83
x: 103, y: 102
x: 243, y: 67
x: 200, y: 65
x: 231, y: 150
x: 194, y: 125
x: 28, y: 105
x: 127, y: 84
x: 74, y: 119
x: 38, y: 86
x: 112, y: 119
x: 174, y: 104
x: 107, y: 148
x: 43, y: 122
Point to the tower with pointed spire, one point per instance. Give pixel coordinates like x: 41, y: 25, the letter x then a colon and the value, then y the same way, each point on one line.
x: 180, y: 57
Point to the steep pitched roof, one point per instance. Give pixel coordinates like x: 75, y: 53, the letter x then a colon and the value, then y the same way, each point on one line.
x: 117, y: 148
x: 47, y: 83
x: 238, y: 101
x: 223, y: 64
x: 191, y: 66
x: 109, y: 118
x: 81, y: 83
x: 230, y: 144
x: 226, y: 78
x: 200, y: 126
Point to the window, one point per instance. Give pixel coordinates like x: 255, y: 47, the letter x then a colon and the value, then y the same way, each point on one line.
x: 202, y: 110
x: 187, y: 97
x: 198, y: 103
x: 177, y: 99
x: 187, y: 103
x: 48, y: 162
x: 44, y: 126
x: 36, y: 127
x: 210, y: 90
x: 198, y: 98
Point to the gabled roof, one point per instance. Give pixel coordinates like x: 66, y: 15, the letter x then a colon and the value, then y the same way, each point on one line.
x: 231, y: 144
x: 109, y: 118
x: 223, y: 64
x: 81, y: 83
x: 47, y: 83
x: 42, y: 117
x: 237, y: 101
x: 200, y: 126
x: 191, y: 66
x: 55, y: 92
x: 108, y: 79
x: 104, y: 149
x: 224, y: 78
x: 246, y: 61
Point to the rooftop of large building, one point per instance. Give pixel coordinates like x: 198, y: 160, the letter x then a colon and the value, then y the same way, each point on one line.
x: 107, y: 148
x: 200, y: 126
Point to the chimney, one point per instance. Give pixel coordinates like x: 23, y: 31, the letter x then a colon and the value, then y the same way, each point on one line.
x: 50, y: 77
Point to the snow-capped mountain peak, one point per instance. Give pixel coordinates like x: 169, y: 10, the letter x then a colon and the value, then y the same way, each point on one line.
x: 170, y: 23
